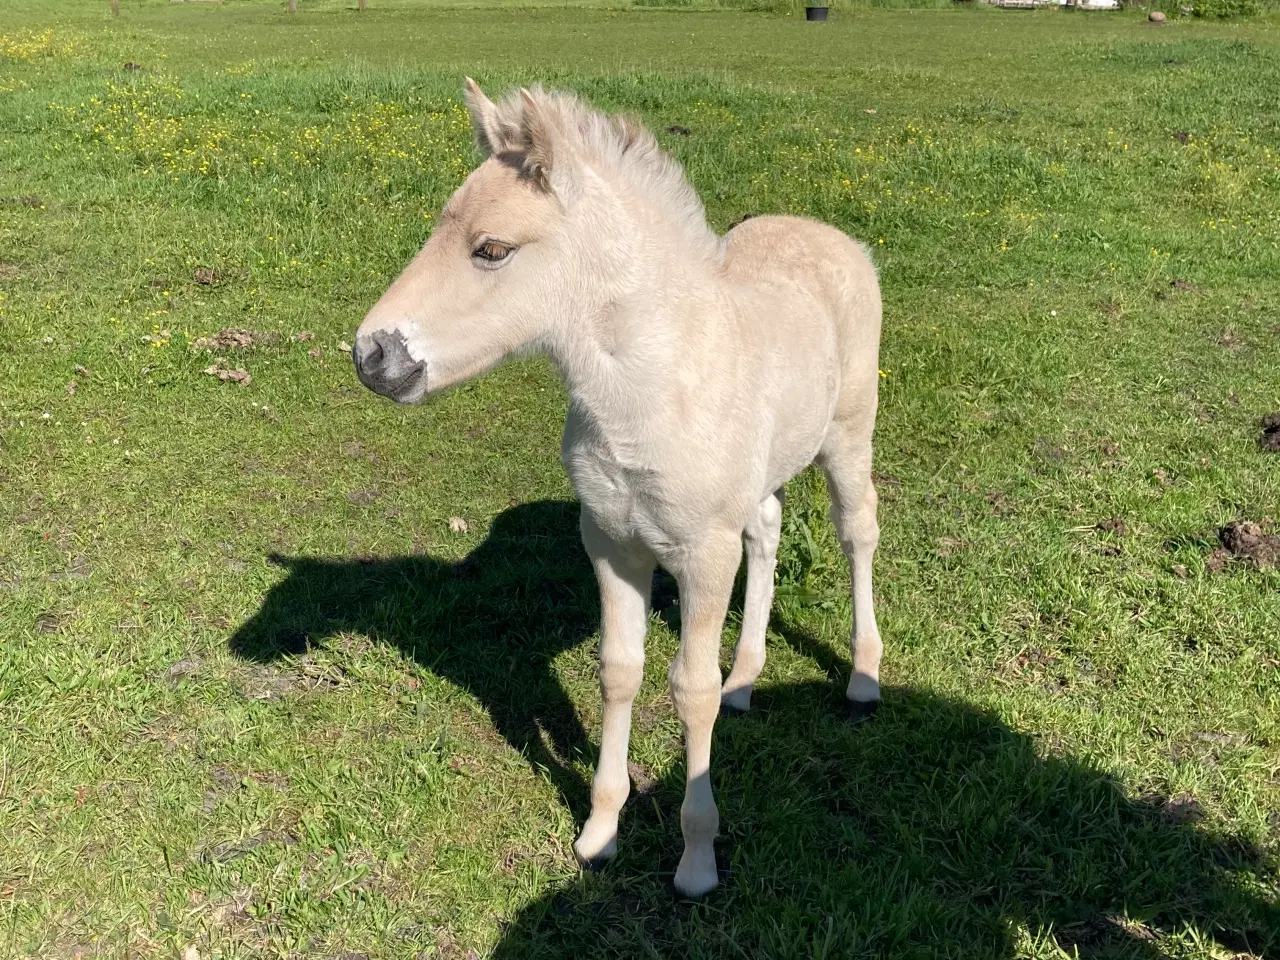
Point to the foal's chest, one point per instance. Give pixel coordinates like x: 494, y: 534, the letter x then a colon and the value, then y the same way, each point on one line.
x: 622, y: 493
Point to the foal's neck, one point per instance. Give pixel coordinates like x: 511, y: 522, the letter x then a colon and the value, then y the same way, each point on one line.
x: 622, y: 359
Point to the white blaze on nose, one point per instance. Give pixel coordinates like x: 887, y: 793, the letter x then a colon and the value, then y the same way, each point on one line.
x: 409, y: 333
x: 415, y: 343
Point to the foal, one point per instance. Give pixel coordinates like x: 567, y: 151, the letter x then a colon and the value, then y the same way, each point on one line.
x: 703, y: 373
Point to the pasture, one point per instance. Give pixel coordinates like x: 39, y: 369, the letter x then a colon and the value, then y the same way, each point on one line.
x: 286, y: 670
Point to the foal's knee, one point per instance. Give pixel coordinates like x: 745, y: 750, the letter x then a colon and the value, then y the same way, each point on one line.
x: 857, y: 525
x: 620, y: 679
x: 696, y: 695
x: 764, y: 532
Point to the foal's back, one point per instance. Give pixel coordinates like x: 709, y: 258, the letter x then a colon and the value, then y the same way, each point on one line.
x: 820, y: 258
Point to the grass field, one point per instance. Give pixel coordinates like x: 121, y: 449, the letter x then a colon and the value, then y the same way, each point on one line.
x: 255, y: 694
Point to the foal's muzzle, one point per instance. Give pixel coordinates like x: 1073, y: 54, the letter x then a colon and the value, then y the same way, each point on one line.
x: 384, y: 365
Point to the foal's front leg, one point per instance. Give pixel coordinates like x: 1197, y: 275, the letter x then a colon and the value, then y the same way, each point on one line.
x: 705, y: 576
x: 626, y: 579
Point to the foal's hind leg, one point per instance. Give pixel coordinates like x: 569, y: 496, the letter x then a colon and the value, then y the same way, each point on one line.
x: 761, y: 536
x: 625, y: 577
x: 846, y: 458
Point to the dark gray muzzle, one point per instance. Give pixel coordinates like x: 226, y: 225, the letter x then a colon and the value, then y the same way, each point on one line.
x: 384, y: 365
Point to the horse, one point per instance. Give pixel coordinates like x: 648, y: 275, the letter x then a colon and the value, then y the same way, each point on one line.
x: 703, y: 373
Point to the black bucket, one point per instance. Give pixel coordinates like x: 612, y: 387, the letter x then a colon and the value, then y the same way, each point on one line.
x: 815, y: 13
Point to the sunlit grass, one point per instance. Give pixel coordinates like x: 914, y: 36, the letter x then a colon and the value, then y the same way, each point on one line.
x: 255, y: 693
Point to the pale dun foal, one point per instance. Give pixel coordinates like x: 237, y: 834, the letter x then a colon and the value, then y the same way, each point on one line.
x: 703, y: 373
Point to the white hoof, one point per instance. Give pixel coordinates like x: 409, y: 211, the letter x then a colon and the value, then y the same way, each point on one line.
x: 696, y: 874
x: 739, y: 700
x: 597, y: 843
x: 863, y: 688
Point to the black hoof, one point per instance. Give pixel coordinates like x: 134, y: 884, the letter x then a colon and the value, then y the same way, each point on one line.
x: 594, y: 865
x: 861, y: 711
x: 728, y: 711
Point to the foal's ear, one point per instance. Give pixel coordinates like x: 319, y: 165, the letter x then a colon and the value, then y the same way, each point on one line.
x: 484, y: 118
x: 536, y: 140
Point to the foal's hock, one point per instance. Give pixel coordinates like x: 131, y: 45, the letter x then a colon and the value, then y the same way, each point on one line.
x: 703, y: 373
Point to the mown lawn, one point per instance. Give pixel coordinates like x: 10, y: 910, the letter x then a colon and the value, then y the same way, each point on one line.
x: 257, y: 696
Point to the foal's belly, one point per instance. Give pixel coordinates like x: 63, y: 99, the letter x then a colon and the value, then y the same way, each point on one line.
x: 803, y: 412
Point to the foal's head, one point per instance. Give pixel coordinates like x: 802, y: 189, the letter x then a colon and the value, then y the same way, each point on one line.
x: 545, y: 233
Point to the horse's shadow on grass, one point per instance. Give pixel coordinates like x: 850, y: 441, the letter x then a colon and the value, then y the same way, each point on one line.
x: 932, y: 830
x: 492, y: 624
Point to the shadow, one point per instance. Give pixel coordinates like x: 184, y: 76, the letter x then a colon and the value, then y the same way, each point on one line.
x: 932, y: 830
x: 492, y: 624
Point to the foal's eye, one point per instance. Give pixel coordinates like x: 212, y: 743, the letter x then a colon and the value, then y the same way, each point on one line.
x: 490, y: 253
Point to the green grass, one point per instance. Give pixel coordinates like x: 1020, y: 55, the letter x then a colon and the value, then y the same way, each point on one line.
x: 256, y: 696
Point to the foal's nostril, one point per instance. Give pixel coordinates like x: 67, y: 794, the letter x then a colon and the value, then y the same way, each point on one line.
x: 367, y: 354
x: 385, y: 365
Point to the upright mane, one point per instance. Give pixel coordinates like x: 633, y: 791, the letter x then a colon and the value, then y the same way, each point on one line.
x: 618, y: 142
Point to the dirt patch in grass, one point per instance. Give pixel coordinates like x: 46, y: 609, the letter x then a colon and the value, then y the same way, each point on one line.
x: 265, y: 683
x: 642, y: 780
x: 1115, y: 530
x: 1106, y: 933
x: 356, y: 450
x: 946, y: 546
x: 49, y: 622
x: 77, y: 568
x: 30, y: 201
x: 190, y: 667
x: 1178, y: 810
x: 1103, y: 933
x: 168, y: 731
x: 229, y: 374
x: 1228, y: 339
x: 1000, y: 504
x: 1114, y: 526
x: 1270, y: 439
x: 313, y: 675
x: 1244, y: 540
x: 225, y: 781
x: 229, y: 850
x: 448, y: 948
x: 235, y: 338
x: 1177, y: 286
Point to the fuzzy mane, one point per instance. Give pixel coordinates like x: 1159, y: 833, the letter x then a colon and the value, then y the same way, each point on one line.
x: 618, y: 142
